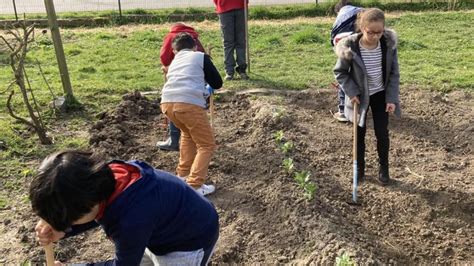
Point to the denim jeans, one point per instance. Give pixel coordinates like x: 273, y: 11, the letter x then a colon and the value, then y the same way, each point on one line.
x: 233, y: 32
x: 175, y: 133
x: 342, y: 96
x: 199, y: 257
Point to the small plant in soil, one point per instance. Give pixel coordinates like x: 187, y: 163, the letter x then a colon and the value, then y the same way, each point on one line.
x: 309, y: 190
x: 288, y: 165
x: 287, y: 147
x: 278, y: 113
x: 278, y: 136
x: 302, y: 178
x: 344, y: 260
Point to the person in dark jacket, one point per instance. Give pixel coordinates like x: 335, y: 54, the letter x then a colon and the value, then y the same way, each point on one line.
x: 367, y: 68
x: 343, y: 26
x: 152, y: 217
x: 166, y: 57
x: 232, y: 19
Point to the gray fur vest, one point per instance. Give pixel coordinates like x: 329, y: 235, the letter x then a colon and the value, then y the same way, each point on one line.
x: 351, y: 73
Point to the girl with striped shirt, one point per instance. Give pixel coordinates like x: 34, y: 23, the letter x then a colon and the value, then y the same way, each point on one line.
x: 367, y: 69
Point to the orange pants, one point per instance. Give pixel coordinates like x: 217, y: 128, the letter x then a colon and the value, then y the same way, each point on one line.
x: 197, y: 143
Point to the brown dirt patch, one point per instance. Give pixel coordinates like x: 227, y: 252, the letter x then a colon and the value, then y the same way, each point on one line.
x: 425, y: 216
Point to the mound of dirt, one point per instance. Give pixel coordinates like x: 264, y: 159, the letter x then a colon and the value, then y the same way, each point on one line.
x: 424, y: 216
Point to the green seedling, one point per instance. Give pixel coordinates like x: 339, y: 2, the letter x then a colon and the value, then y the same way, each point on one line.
x: 302, y: 177
x: 287, y: 147
x: 278, y: 136
x: 344, y: 260
x: 288, y: 165
x: 278, y: 113
x: 309, y: 190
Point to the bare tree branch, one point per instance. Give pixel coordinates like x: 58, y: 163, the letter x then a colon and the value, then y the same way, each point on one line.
x: 34, y: 98
x: 17, y: 62
x: 44, y: 78
x: 7, y: 43
x: 10, y: 111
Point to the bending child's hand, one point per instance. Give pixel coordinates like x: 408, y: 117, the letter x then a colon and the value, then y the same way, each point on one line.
x: 45, y: 233
x: 355, y: 99
x: 390, y: 108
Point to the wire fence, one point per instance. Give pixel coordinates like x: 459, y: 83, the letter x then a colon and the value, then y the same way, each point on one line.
x: 37, y: 6
x: 18, y: 7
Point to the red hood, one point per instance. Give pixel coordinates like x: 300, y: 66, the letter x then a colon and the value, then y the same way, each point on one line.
x: 183, y: 28
x: 125, y: 175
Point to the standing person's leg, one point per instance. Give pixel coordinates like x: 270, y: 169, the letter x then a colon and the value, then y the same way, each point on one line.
x: 187, y: 154
x: 227, y: 21
x: 175, y: 134
x: 378, y: 105
x: 203, y: 135
x: 187, y: 149
x: 341, y: 97
x: 240, y: 43
x: 194, y: 118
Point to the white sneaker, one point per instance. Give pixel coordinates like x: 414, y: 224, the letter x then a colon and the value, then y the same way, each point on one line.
x: 340, y: 117
x: 205, y: 189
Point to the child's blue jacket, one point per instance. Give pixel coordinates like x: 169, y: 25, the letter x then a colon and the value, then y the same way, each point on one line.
x: 159, y: 212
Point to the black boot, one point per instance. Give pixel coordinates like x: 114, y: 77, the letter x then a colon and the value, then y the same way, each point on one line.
x: 168, y: 145
x: 172, y: 143
x: 384, y: 176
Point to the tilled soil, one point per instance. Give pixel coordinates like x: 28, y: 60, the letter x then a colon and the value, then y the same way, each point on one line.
x: 424, y: 216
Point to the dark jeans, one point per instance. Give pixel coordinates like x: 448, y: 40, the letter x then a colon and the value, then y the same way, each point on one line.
x: 175, y: 133
x: 377, y: 105
x: 341, y: 95
x: 233, y: 32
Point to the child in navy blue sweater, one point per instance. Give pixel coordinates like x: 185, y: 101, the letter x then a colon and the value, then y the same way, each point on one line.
x: 152, y: 217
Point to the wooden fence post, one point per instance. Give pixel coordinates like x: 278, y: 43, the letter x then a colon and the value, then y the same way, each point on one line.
x: 58, y: 47
x: 120, y: 9
x: 14, y: 8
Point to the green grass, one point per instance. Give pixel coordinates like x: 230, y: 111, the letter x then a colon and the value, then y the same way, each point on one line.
x: 435, y: 53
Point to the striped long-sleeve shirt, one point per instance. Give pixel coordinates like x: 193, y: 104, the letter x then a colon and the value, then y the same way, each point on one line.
x: 373, y: 63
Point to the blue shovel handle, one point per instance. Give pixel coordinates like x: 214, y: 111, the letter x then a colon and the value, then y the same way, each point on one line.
x: 354, y: 152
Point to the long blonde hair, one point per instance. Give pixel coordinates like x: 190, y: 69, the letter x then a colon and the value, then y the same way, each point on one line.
x: 369, y: 15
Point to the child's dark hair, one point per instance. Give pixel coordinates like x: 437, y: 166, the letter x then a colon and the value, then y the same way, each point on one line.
x: 369, y: 15
x: 341, y: 4
x: 182, y: 41
x: 68, y: 185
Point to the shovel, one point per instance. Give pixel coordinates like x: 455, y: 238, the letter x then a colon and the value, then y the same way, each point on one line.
x: 246, y: 24
x: 354, y: 154
x: 48, y: 250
